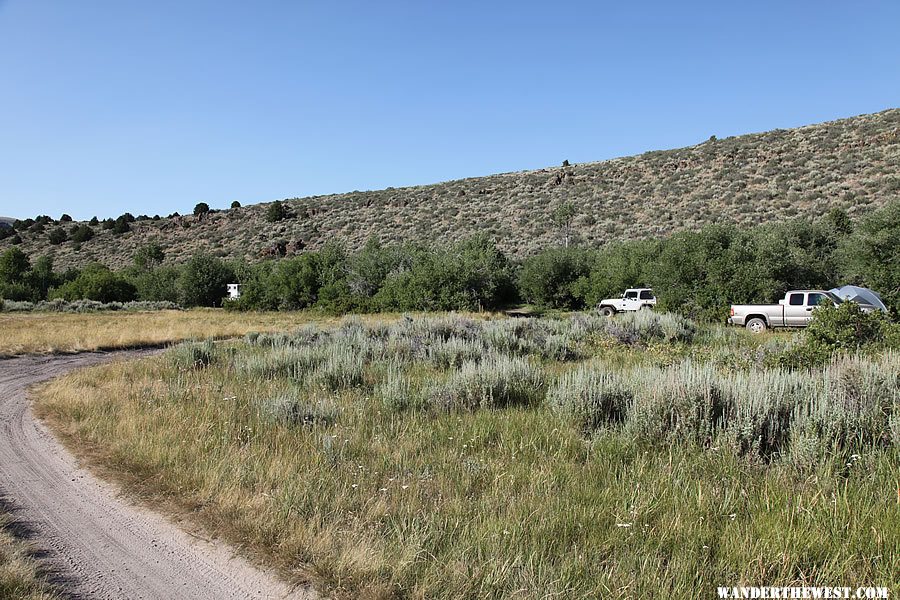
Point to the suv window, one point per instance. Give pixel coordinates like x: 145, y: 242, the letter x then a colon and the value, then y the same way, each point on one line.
x: 817, y: 299
x: 795, y: 300
x: 631, y: 295
x: 646, y: 294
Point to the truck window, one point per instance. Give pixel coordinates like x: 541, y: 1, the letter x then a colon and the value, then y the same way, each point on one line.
x: 817, y: 299
x: 631, y: 295
x: 646, y: 294
x: 795, y: 300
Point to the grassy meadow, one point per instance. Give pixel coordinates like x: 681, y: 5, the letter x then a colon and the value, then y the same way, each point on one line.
x: 448, y: 457
x: 50, y: 333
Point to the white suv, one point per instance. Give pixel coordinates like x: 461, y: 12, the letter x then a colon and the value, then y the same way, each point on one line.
x: 632, y: 299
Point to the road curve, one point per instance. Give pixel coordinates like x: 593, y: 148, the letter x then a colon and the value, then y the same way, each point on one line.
x: 96, y: 544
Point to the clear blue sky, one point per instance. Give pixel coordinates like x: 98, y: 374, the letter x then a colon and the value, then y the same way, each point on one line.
x: 150, y: 107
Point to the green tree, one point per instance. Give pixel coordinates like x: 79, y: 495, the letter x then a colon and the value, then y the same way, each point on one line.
x: 96, y: 282
x: 149, y: 256
x: 82, y: 233
x: 563, y: 216
x: 203, y: 281
x: 42, y: 278
x: 276, y: 212
x: 14, y: 265
x: 158, y: 284
x: 548, y: 279
x: 615, y: 268
x: 871, y: 256
x: 121, y: 225
x: 57, y: 236
x: 201, y: 209
x: 235, y: 204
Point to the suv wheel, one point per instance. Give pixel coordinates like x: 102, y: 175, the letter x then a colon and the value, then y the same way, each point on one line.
x: 607, y: 311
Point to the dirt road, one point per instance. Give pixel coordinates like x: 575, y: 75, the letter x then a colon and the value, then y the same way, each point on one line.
x: 97, y: 544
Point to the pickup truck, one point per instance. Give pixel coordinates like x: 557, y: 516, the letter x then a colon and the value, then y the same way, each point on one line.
x: 795, y: 310
x: 632, y: 299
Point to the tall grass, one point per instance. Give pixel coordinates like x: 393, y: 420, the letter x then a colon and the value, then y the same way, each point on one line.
x: 20, y: 576
x: 496, y: 381
x: 850, y: 406
x: 390, y: 461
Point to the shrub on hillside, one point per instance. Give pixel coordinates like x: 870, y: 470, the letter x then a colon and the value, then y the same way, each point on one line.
x: 57, y: 236
x: 82, y: 233
x: 276, y: 212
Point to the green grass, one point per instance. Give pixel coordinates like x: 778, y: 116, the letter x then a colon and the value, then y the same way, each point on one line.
x: 373, y: 485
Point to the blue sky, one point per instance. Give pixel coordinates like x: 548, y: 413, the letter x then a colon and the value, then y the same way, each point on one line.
x: 151, y: 107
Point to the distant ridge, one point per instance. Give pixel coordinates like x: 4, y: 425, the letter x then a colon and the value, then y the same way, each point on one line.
x: 6, y: 221
x: 750, y: 179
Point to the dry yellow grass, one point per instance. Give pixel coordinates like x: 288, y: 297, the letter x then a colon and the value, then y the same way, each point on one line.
x: 19, y: 576
x: 49, y: 333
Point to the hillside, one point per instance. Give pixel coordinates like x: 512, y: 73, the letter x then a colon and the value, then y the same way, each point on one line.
x: 851, y: 163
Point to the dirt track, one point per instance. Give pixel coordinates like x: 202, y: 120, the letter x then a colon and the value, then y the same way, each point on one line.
x: 96, y: 544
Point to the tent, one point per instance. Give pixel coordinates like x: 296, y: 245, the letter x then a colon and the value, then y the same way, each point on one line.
x: 862, y: 296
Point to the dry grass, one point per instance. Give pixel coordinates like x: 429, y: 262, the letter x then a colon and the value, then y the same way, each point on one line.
x: 371, y: 494
x: 48, y: 333
x: 19, y: 573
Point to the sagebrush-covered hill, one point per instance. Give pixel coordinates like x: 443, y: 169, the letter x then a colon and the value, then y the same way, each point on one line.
x: 851, y: 163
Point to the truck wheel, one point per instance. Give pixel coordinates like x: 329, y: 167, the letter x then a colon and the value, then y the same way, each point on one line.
x: 607, y: 311
x: 757, y: 325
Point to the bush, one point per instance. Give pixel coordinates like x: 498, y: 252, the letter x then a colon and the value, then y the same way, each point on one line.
x: 276, y: 212
x: 872, y: 255
x: 14, y: 265
x: 341, y: 369
x: 96, y: 282
x: 57, y: 236
x: 193, y: 355
x: 591, y: 397
x: 203, y: 281
x: 120, y: 226
x: 395, y: 392
x: 646, y: 326
x: 292, y: 410
x: 201, y: 209
x: 843, y: 328
x: 496, y: 381
x: 235, y: 204
x: 82, y: 233
x: 549, y: 279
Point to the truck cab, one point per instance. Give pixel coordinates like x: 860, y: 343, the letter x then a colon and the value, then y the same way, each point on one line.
x: 798, y: 306
x: 794, y: 310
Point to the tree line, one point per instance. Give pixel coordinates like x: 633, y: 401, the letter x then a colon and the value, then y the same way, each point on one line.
x: 695, y: 273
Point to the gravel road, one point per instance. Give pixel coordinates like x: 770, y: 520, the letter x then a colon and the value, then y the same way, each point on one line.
x: 95, y: 543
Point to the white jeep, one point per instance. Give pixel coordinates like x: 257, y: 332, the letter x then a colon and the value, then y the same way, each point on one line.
x: 632, y: 299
